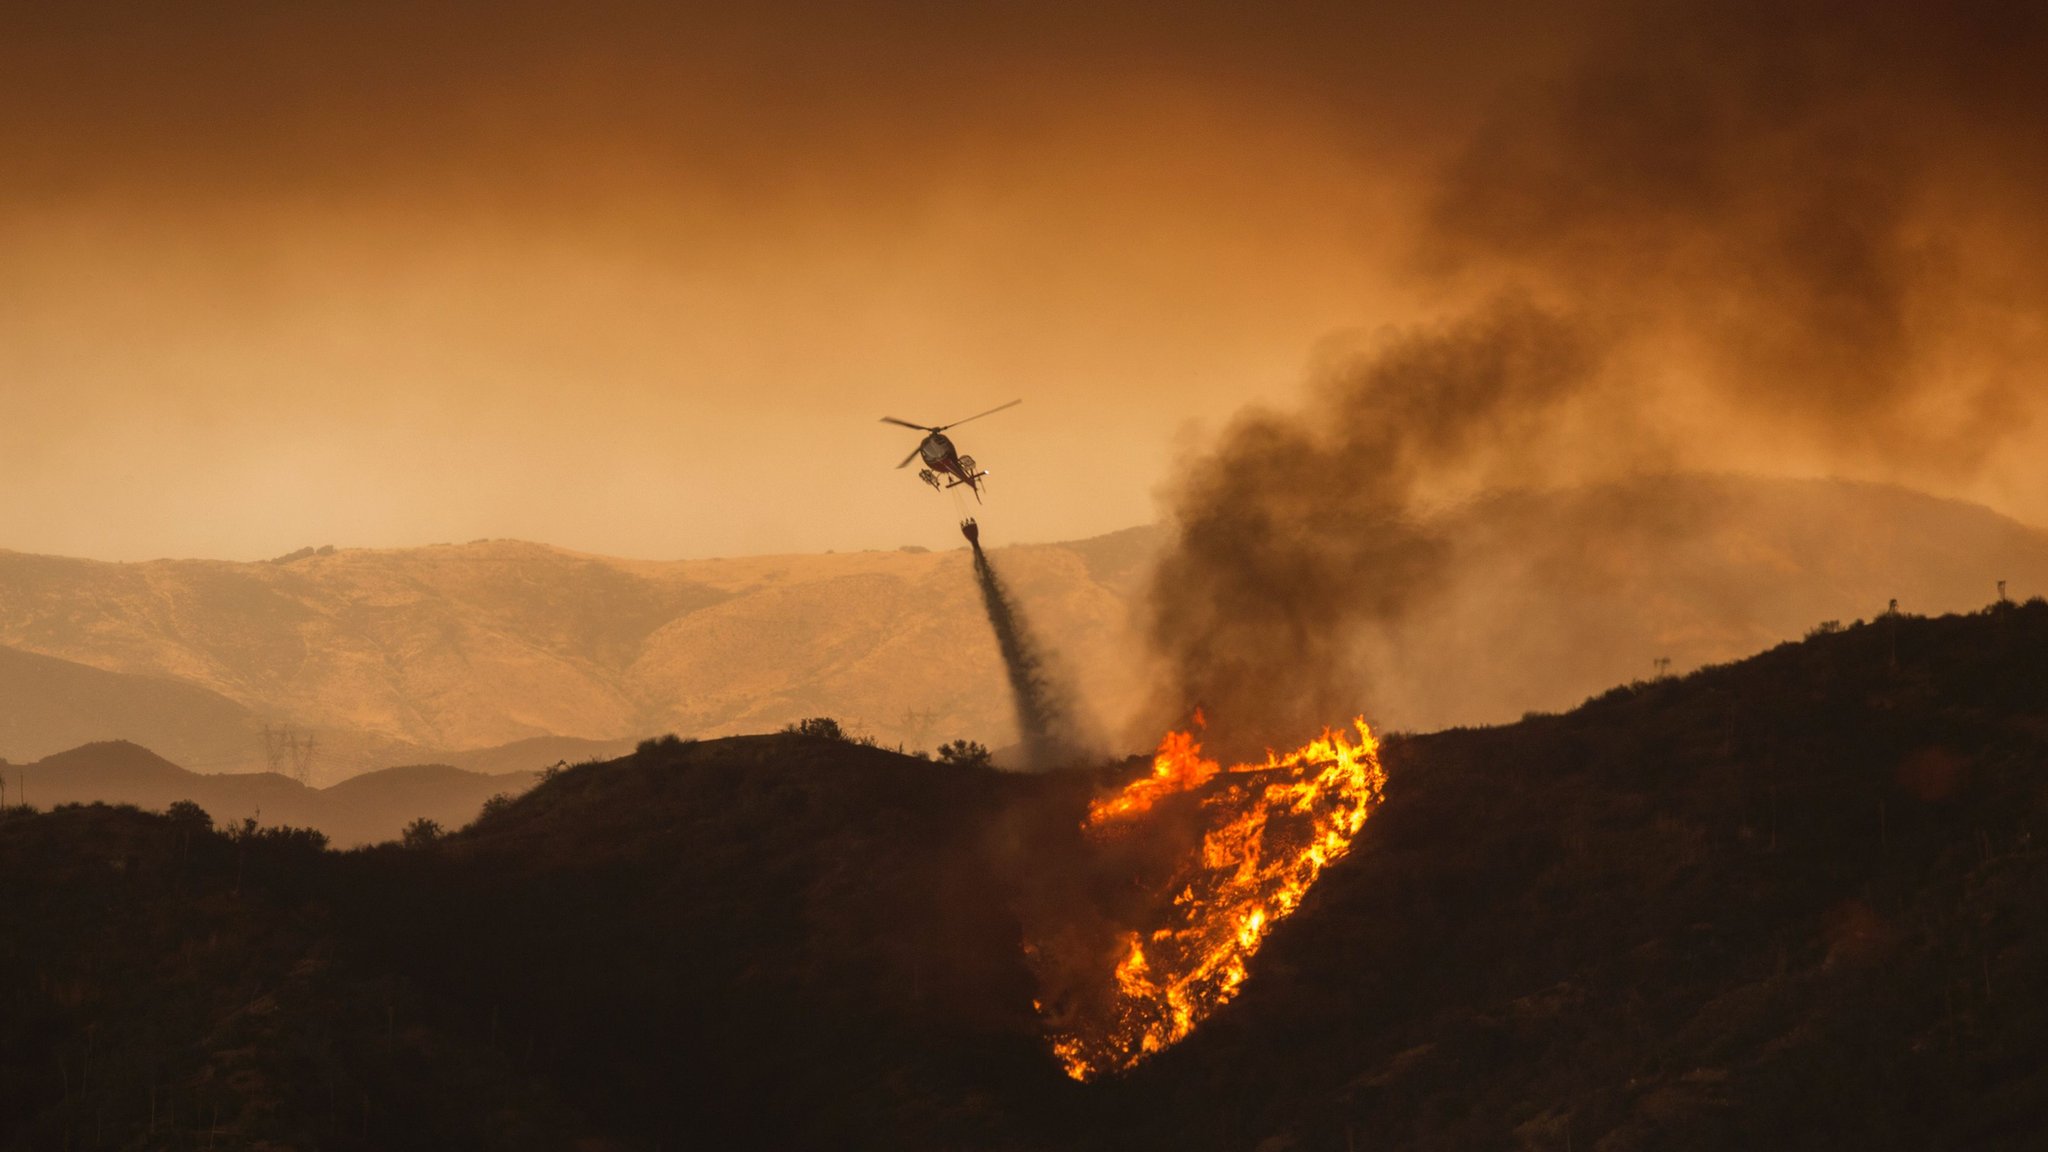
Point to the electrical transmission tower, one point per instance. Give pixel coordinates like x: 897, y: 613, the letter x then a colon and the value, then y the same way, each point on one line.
x: 918, y: 725
x: 274, y: 748
x: 302, y: 758
x: 282, y: 746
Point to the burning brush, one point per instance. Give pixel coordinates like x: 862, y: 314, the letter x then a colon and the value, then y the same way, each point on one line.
x: 1271, y: 828
x: 1266, y: 832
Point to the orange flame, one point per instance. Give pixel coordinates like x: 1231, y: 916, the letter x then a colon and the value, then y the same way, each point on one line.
x: 1269, y: 838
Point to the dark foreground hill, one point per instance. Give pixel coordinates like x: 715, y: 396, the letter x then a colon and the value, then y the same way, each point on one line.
x: 1799, y: 901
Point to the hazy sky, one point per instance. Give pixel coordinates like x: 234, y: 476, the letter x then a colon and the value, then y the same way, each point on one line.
x: 640, y: 279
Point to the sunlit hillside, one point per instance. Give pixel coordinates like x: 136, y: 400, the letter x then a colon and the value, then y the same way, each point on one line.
x: 412, y: 655
x: 385, y: 656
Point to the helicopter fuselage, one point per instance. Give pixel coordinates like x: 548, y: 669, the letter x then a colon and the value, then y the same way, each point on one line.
x: 938, y: 452
x: 942, y: 459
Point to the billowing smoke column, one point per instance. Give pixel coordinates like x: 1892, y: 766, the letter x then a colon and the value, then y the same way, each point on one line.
x: 1725, y: 216
x: 1297, y: 532
x: 1041, y: 718
x: 1736, y: 235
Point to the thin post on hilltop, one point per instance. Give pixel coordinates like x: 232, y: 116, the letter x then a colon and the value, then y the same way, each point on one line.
x: 1891, y: 629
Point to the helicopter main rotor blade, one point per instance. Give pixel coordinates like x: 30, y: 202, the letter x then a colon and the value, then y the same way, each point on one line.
x: 908, y: 424
x: 979, y: 415
x: 912, y: 456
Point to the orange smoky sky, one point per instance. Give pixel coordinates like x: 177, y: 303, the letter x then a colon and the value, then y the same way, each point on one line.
x: 641, y: 278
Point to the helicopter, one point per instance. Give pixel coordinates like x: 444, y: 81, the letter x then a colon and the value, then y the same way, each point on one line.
x: 941, y: 457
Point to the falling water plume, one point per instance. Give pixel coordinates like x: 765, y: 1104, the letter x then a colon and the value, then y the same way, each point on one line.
x: 1041, y: 721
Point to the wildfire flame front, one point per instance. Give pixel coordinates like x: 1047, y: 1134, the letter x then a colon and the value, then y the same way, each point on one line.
x: 1271, y: 829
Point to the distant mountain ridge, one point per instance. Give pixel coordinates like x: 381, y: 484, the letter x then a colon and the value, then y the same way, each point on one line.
x: 1548, y: 597
x: 48, y: 703
x: 391, y: 655
x: 430, y: 654
x: 364, y: 809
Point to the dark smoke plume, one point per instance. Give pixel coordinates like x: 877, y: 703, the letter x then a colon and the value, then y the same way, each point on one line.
x: 1830, y: 213
x: 1298, y: 531
x: 1734, y: 234
x: 1042, y: 718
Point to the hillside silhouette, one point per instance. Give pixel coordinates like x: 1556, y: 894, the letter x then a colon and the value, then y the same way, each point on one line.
x: 49, y: 705
x: 421, y: 655
x: 360, y: 810
x: 1791, y: 902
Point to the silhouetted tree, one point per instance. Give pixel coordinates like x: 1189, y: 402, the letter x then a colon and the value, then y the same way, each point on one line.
x: 421, y: 833
x: 964, y: 753
x: 822, y: 727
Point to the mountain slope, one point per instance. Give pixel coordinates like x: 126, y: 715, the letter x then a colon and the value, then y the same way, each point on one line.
x: 1796, y: 902
x: 48, y: 704
x: 1792, y: 902
x: 390, y: 655
x: 1549, y: 597
x: 409, y: 655
x: 363, y: 809
x: 377, y: 806
x: 434, y: 647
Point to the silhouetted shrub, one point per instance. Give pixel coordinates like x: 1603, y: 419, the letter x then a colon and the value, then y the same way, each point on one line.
x: 668, y: 743
x: 185, y: 812
x: 421, y: 833
x: 302, y: 840
x: 820, y: 727
x: 964, y: 753
x: 1615, y: 694
x: 494, y: 806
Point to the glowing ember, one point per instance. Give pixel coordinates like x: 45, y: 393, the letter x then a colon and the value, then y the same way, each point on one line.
x: 1271, y: 829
